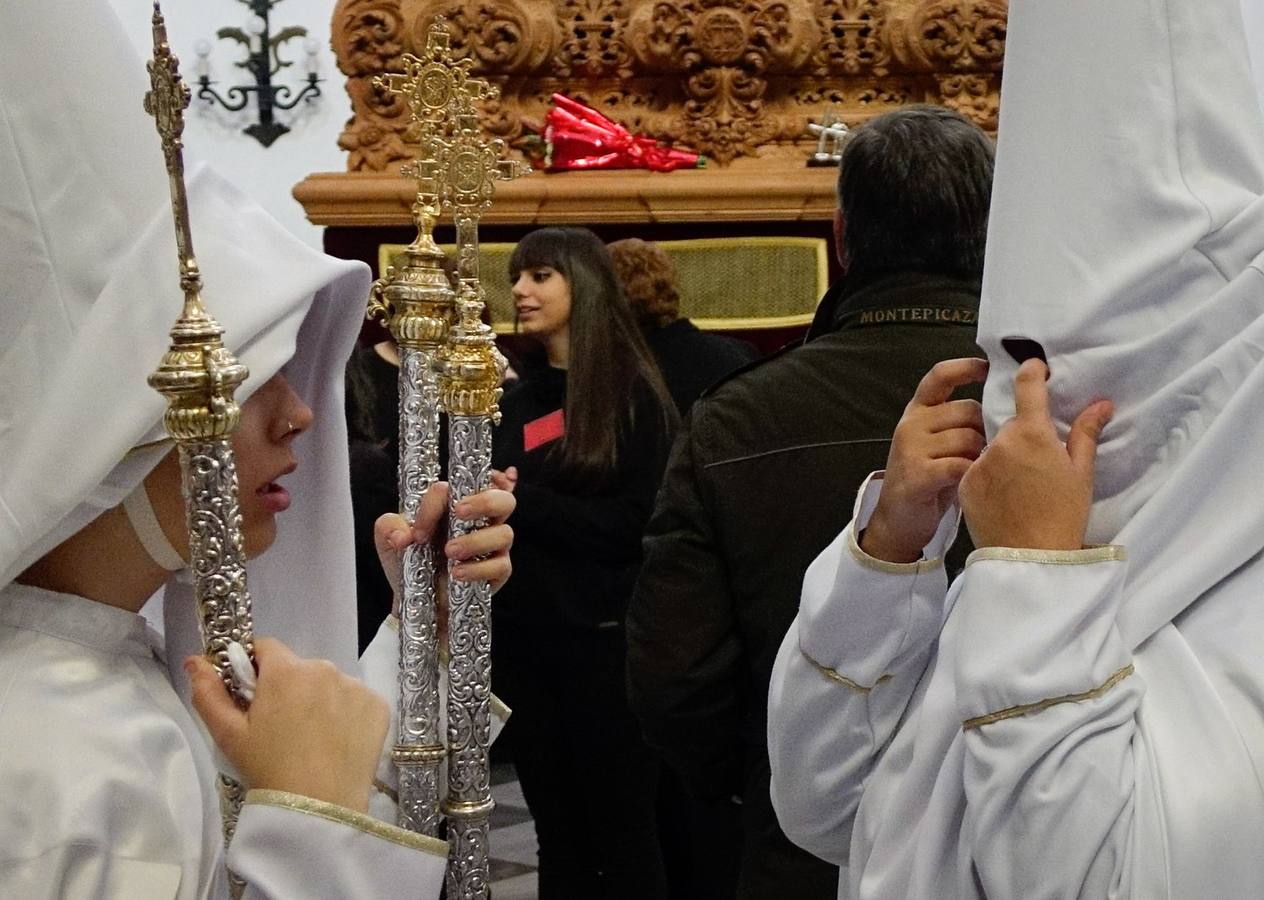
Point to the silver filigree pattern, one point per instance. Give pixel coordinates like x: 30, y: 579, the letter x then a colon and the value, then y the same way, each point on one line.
x: 218, y: 555
x: 217, y: 552
x: 469, y: 855
x: 231, y: 796
x: 418, y: 638
x: 469, y: 802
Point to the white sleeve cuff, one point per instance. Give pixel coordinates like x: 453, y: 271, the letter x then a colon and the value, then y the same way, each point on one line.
x: 934, y: 551
x: 288, y: 845
x: 861, y: 617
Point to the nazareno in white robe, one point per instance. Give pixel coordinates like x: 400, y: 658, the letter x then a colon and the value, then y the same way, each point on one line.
x: 108, y: 784
x: 1086, y: 724
x: 105, y: 786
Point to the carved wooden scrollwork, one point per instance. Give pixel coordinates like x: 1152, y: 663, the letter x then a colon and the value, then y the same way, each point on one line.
x: 728, y: 78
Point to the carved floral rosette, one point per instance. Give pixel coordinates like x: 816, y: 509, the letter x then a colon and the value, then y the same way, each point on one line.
x: 727, y: 78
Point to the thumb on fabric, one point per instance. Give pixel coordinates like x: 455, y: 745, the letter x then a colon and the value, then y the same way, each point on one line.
x: 1086, y: 431
x: 224, y: 719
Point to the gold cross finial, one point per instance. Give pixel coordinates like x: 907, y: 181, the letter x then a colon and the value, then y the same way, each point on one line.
x: 168, y: 95
x: 198, y: 374
x: 435, y: 84
x: 166, y: 100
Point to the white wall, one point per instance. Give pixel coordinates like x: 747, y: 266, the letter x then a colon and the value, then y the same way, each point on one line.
x: 267, y: 174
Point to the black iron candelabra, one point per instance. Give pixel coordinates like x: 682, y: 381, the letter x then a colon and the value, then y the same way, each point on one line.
x: 263, y: 61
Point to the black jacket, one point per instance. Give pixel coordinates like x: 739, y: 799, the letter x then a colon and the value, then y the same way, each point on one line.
x: 762, y: 477
x: 576, y: 548
x: 692, y: 360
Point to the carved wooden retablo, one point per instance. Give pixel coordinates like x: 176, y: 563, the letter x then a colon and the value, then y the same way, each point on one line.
x: 728, y: 78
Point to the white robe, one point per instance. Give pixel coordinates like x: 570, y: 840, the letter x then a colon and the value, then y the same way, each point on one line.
x: 109, y: 789
x: 1138, y: 782
x: 1087, y: 724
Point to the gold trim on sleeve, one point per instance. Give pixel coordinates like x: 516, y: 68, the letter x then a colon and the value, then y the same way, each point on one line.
x: 1087, y: 556
x: 889, y: 568
x: 344, y: 816
x: 392, y: 622
x: 1024, y: 709
x: 835, y: 676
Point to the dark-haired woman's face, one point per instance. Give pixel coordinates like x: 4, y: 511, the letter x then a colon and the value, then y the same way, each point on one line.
x: 542, y: 298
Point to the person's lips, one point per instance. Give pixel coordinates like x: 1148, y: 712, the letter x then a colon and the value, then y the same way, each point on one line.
x: 276, y: 499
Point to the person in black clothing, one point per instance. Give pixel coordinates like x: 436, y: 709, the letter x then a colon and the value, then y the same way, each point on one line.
x: 587, y: 431
x: 373, y: 436
x: 700, y: 840
x: 690, y: 359
x: 764, y: 472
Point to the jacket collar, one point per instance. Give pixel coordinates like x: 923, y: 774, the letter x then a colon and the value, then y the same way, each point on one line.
x: 891, y: 290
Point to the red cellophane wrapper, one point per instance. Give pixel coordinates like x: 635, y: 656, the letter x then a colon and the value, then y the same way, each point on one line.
x: 579, y: 137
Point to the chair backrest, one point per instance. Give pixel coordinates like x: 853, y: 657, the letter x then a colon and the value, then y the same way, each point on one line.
x: 726, y: 284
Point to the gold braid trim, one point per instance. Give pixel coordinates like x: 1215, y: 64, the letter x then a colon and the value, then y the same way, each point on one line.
x: 833, y: 675
x: 1024, y: 709
x: 344, y: 816
x: 1084, y: 557
x: 916, y: 567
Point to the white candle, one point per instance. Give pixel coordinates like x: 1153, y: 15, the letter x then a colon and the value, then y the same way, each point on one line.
x: 312, y: 47
x: 203, y: 50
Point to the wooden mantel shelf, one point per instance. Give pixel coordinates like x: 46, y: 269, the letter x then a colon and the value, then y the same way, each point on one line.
x: 749, y: 190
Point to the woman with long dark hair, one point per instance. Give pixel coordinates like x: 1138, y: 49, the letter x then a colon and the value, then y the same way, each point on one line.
x: 587, y: 430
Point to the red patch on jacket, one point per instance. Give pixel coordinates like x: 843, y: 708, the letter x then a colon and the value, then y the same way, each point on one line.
x: 542, y: 430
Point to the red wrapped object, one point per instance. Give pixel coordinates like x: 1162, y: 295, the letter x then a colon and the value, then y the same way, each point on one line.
x: 579, y: 137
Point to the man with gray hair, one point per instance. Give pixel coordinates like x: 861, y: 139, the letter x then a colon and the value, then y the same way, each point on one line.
x: 760, y: 475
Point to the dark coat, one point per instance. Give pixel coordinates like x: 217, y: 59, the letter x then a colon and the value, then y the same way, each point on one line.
x: 692, y: 360
x: 761, y: 478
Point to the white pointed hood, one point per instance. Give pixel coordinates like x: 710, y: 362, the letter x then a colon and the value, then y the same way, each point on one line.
x: 88, y: 291
x: 1126, y: 236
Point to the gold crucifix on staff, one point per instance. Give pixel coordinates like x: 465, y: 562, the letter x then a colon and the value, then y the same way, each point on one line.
x: 474, y: 165
x: 433, y: 84
x: 456, y: 168
x: 470, y: 373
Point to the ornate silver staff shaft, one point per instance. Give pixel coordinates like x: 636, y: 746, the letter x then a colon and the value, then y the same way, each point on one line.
x: 198, y: 375
x: 416, y: 304
x: 471, y: 370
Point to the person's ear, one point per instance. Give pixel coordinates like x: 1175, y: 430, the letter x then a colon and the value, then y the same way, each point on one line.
x: 840, y: 248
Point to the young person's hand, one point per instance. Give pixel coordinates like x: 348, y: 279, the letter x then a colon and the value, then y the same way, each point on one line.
x: 1030, y: 490
x: 481, y: 555
x: 311, y: 730
x: 935, y: 443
